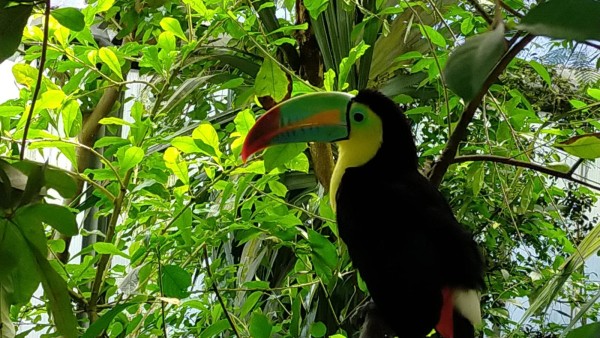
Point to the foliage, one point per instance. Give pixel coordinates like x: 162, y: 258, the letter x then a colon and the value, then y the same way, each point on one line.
x: 181, y: 238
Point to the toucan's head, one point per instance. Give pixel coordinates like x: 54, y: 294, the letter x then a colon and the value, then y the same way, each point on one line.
x: 366, y: 127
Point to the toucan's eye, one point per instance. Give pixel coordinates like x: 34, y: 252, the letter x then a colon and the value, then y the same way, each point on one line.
x: 358, y: 117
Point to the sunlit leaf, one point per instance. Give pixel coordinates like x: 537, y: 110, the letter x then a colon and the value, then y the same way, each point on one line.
x: 271, y: 81
x: 111, y: 60
x: 131, y: 157
x: 244, y: 120
x: 105, y: 248
x: 583, y: 146
x: 346, y: 65
x: 173, y: 26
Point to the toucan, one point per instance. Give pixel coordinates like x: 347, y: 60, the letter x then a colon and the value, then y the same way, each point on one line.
x: 422, y: 268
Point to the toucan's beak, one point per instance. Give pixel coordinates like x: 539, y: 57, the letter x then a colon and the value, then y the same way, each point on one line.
x: 316, y: 117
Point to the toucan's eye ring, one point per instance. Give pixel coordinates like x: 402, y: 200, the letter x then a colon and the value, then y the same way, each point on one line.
x: 358, y: 117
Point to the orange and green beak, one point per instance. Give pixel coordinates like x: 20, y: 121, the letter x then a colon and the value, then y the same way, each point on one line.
x: 316, y: 117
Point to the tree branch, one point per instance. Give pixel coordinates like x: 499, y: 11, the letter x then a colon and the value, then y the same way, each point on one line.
x: 437, y: 172
x: 216, y: 290
x: 533, y: 166
x: 87, y: 135
x: 38, y: 83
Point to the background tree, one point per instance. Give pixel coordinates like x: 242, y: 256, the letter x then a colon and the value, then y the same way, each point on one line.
x: 180, y: 238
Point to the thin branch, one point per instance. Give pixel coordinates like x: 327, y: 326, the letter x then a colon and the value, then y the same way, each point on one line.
x: 162, y: 293
x: 460, y: 132
x: 216, y: 290
x: 38, y: 83
x: 105, y: 258
x: 528, y: 165
x: 481, y: 11
x: 510, y: 9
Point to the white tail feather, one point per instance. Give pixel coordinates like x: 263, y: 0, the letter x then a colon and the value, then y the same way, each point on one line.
x: 467, y: 304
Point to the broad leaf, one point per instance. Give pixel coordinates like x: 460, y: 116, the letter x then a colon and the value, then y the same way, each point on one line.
x: 276, y: 156
x: 96, y: 329
x: 175, y: 281
x: 564, y: 19
x: 583, y: 146
x: 105, y: 248
x: 111, y: 60
x: 173, y: 26
x: 271, y: 81
x: 131, y: 157
x: 69, y: 17
x: 12, y: 22
x: 57, y: 216
x: 260, y: 327
x: 470, y: 64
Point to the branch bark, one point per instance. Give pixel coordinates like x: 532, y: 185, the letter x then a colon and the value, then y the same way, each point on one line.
x: 510, y: 161
x: 87, y: 137
x: 439, y: 169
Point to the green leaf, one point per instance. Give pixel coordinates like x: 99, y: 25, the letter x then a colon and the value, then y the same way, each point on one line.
x: 585, y: 331
x: 271, y: 81
x: 18, y: 267
x: 173, y: 26
x: 277, y: 155
x: 541, y: 70
x: 583, y: 146
x: 69, y: 17
x: 131, y: 157
x: 185, y: 144
x: 318, y: 329
x: 278, y: 188
x: 315, y: 7
x: 35, y: 183
x: 12, y: 22
x: 50, y: 99
x: 250, y: 302
x: 57, y: 216
x: 243, y: 121
x: 206, y: 134
x: 72, y: 118
x: 10, y: 111
x: 470, y: 64
x: 434, y: 36
x: 594, y: 92
x: 55, y: 289
x: 175, y: 281
x: 96, y: 329
x: 111, y: 60
x: 173, y: 162
x: 184, y: 224
x: 110, y: 140
x: 323, y: 249
x: 564, y: 19
x: 329, y: 80
x: 260, y: 327
x: 346, y: 65
x: 105, y: 248
x: 215, y: 329
x: 24, y: 74
x: 57, y: 245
